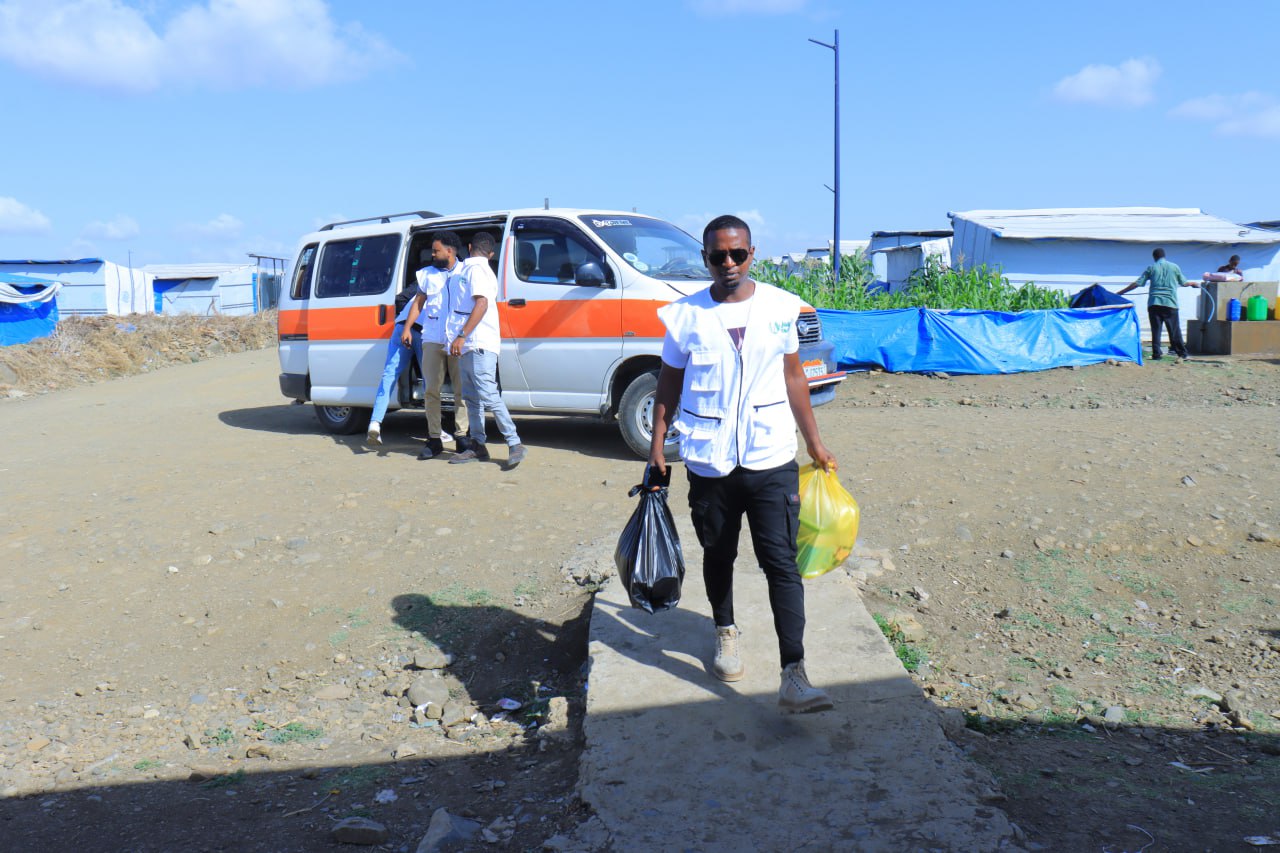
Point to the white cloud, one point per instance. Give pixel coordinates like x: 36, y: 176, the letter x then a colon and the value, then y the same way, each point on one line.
x: 747, y: 7
x: 1247, y: 114
x: 121, y: 227
x: 1128, y: 84
x: 17, y: 218
x: 224, y: 226
x: 219, y: 44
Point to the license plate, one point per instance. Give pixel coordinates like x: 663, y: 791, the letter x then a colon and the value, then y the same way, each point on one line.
x: 814, y: 368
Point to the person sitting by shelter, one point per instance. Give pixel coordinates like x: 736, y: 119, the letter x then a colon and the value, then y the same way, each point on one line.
x: 1231, y: 270
x: 1164, y: 278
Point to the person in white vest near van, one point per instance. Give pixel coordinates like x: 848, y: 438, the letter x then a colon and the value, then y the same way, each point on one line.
x: 732, y: 385
x: 431, y: 307
x: 473, y: 334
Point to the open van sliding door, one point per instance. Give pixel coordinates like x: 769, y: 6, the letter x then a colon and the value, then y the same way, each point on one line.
x: 563, y: 311
x: 351, y: 317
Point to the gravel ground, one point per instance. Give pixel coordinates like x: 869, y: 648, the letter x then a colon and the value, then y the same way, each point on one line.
x: 212, y: 612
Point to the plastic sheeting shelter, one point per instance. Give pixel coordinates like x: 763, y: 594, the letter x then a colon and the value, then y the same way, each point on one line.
x: 1070, y: 249
x: 91, y: 286
x: 204, y: 288
x: 895, y: 255
x: 922, y: 340
x: 28, y: 308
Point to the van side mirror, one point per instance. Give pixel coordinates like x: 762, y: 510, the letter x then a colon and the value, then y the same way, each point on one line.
x: 590, y: 274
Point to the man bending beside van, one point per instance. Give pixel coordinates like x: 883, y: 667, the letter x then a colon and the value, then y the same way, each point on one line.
x: 474, y: 336
x: 433, y: 303
x: 730, y: 358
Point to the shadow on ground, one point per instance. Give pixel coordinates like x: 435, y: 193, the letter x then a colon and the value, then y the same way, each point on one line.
x: 404, y: 431
x: 1063, y: 782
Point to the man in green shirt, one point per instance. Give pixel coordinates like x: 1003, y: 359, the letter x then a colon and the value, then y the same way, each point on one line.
x: 1164, y: 278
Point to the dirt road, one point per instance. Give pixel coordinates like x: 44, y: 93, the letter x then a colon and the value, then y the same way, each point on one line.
x: 196, y: 578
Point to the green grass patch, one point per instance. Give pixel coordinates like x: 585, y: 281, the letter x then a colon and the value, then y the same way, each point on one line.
x: 227, y: 781
x: 294, y: 733
x: 148, y: 764
x: 442, y: 615
x: 221, y: 737
x: 527, y: 589
x: 909, y: 654
x: 358, y: 778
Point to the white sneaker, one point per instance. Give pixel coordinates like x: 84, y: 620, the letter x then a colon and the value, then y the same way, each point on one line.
x: 727, y: 665
x: 797, y: 695
x: 374, y: 435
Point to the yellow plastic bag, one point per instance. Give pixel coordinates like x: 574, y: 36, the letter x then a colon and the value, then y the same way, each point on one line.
x: 828, y: 523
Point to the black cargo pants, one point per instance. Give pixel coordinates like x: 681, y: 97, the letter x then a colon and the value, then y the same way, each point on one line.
x: 771, y: 502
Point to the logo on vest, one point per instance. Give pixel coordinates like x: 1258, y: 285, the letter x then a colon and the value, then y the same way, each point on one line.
x: 780, y: 327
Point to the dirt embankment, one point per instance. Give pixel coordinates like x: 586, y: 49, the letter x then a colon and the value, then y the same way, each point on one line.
x: 85, y: 350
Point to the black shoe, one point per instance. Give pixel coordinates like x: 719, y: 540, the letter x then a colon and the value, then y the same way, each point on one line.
x: 431, y: 448
x: 1155, y: 356
x: 475, y: 452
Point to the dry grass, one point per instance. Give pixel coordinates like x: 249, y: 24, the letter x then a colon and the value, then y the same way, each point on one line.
x: 85, y: 350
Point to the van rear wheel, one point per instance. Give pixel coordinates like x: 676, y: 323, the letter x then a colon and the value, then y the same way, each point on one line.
x: 635, y: 418
x: 343, y: 420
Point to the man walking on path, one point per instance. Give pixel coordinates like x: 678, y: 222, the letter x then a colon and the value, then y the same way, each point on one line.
x: 432, y: 307
x: 473, y: 335
x: 1164, y: 278
x: 730, y: 358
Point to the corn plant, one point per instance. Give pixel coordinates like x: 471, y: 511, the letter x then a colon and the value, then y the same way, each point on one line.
x: 935, y: 285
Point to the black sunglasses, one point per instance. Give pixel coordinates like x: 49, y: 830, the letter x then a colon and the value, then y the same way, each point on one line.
x: 717, y: 257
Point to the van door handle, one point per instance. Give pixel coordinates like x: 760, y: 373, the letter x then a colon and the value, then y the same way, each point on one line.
x: 382, y: 315
x: 515, y: 303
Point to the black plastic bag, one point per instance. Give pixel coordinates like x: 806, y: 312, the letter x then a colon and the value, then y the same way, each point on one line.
x: 648, y: 556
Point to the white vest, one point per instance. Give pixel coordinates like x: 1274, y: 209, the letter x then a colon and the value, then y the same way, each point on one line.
x: 734, y: 410
x: 432, y: 283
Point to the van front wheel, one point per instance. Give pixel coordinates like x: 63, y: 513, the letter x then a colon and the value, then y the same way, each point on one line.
x: 635, y: 418
x: 343, y: 420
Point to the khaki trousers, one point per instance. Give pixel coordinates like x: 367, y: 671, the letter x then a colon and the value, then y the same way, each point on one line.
x: 435, y: 359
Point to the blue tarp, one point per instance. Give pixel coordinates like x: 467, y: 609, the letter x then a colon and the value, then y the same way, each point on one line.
x: 25, y: 322
x: 1096, y: 295
x: 921, y: 340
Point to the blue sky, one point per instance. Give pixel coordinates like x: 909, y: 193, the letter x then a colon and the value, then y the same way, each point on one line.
x: 177, y: 131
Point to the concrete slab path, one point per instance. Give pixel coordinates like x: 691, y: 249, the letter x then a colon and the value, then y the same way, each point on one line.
x: 677, y: 760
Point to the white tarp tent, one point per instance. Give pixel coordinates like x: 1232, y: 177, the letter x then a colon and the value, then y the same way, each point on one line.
x: 895, y: 255
x: 204, y: 288
x: 1069, y: 249
x: 91, y: 286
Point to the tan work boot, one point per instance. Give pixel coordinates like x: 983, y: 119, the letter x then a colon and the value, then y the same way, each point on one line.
x: 727, y: 665
x: 797, y: 695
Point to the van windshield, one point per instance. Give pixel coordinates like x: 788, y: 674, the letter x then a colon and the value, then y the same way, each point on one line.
x: 656, y: 248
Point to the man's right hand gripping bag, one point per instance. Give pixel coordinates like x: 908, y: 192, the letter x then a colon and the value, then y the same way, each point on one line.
x: 648, y: 557
x: 828, y: 523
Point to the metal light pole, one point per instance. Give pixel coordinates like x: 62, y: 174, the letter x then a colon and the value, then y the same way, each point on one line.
x: 835, y: 244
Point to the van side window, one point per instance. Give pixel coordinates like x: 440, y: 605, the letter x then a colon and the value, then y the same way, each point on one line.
x: 548, y: 251
x: 357, y: 267
x: 302, y: 273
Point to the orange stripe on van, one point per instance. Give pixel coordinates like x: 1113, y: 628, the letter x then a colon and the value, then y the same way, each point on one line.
x: 338, y: 324
x: 582, y: 318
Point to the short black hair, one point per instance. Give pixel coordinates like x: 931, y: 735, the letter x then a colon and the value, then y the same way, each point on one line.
x: 482, y: 242
x: 724, y: 223
x: 1234, y: 259
x: 448, y: 239
x: 1157, y: 254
